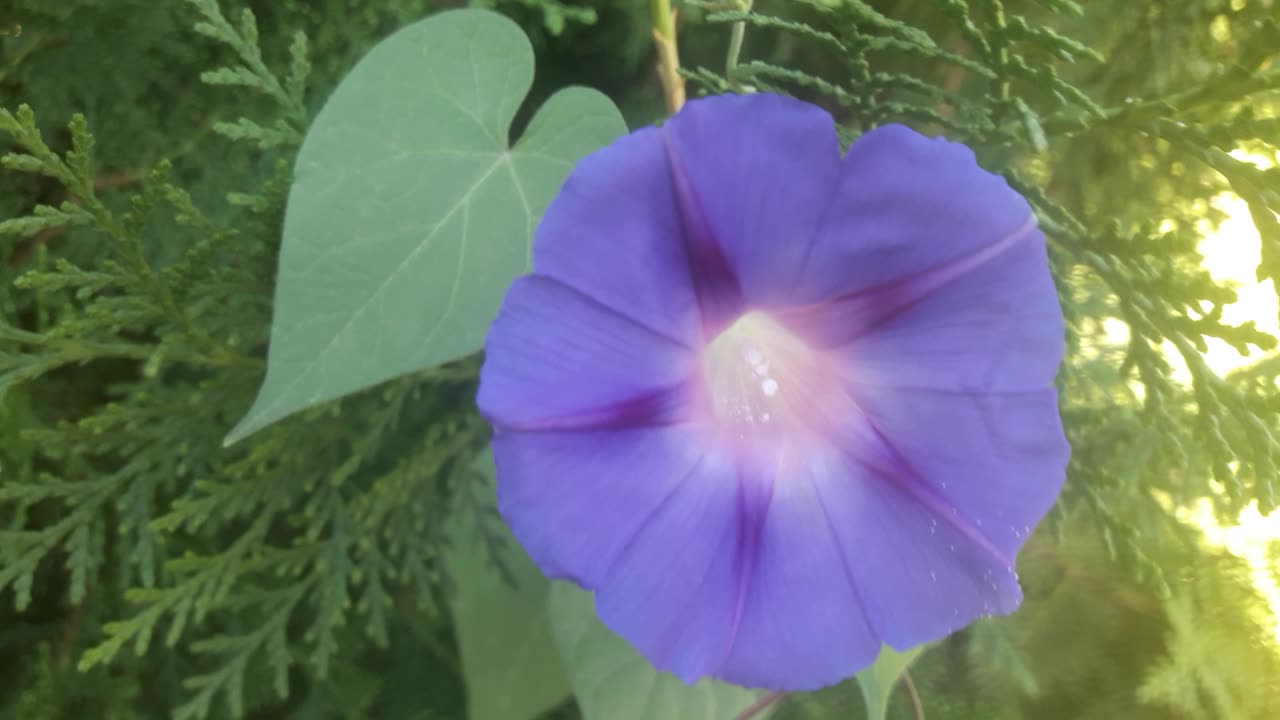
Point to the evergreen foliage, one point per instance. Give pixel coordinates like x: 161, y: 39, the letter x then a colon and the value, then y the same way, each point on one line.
x: 154, y: 572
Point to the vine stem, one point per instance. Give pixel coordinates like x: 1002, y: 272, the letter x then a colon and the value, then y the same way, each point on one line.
x: 736, y: 33
x: 913, y: 695
x: 664, y: 39
x: 760, y: 705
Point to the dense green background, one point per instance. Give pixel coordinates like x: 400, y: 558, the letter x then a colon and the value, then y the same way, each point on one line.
x: 344, y: 562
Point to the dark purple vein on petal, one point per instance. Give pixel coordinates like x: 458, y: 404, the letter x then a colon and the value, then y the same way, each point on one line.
x: 667, y: 640
x: 755, y: 497
x: 660, y: 407
x: 622, y: 313
x: 891, y: 466
x: 617, y: 313
x: 657, y: 407
x: 648, y: 518
x: 844, y: 556
x: 715, y: 284
x: 864, y: 310
x: 811, y: 242
x: 840, y: 420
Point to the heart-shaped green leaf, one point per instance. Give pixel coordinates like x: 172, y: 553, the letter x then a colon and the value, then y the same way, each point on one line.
x: 410, y: 211
x: 614, y: 682
x: 877, y: 682
x: 509, y: 661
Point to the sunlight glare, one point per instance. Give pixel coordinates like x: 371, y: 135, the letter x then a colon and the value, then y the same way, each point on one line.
x: 1231, y: 253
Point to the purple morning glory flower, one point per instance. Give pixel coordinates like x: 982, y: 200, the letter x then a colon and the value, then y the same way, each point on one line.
x: 773, y: 405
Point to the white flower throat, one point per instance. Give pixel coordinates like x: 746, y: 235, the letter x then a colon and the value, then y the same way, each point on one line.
x: 757, y: 372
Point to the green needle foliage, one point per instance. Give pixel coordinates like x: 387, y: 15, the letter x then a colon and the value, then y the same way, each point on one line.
x: 147, y: 152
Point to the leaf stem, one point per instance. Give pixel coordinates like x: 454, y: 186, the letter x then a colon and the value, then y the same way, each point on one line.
x: 913, y: 695
x: 664, y: 39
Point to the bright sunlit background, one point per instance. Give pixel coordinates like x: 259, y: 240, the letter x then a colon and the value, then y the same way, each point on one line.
x: 1232, y: 253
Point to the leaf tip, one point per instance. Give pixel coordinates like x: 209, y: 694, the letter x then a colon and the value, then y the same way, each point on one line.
x: 251, y: 423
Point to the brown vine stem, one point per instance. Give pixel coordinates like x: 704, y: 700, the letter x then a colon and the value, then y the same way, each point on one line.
x: 761, y: 705
x: 664, y: 39
x: 913, y: 695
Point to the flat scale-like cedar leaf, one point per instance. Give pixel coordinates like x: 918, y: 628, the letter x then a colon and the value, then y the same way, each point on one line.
x: 411, y: 213
x: 614, y: 682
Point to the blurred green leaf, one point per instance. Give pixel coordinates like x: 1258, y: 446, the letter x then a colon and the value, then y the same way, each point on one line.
x: 877, y: 682
x: 410, y: 211
x: 614, y: 682
x: 509, y: 659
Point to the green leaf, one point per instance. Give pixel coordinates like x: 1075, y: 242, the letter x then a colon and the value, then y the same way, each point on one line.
x: 614, y: 682
x: 878, y: 681
x: 509, y: 659
x: 410, y: 212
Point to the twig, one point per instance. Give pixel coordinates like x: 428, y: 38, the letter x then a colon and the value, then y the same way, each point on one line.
x: 22, y: 253
x: 664, y: 39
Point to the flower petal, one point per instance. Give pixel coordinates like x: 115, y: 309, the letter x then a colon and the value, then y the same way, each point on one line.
x: 760, y: 170
x: 921, y: 573
x: 614, y: 232
x: 998, y: 459
x: 556, y: 359
x: 676, y: 591
x: 905, y: 203
x: 775, y: 407
x: 802, y: 624
x: 997, y: 328
x: 575, y: 500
